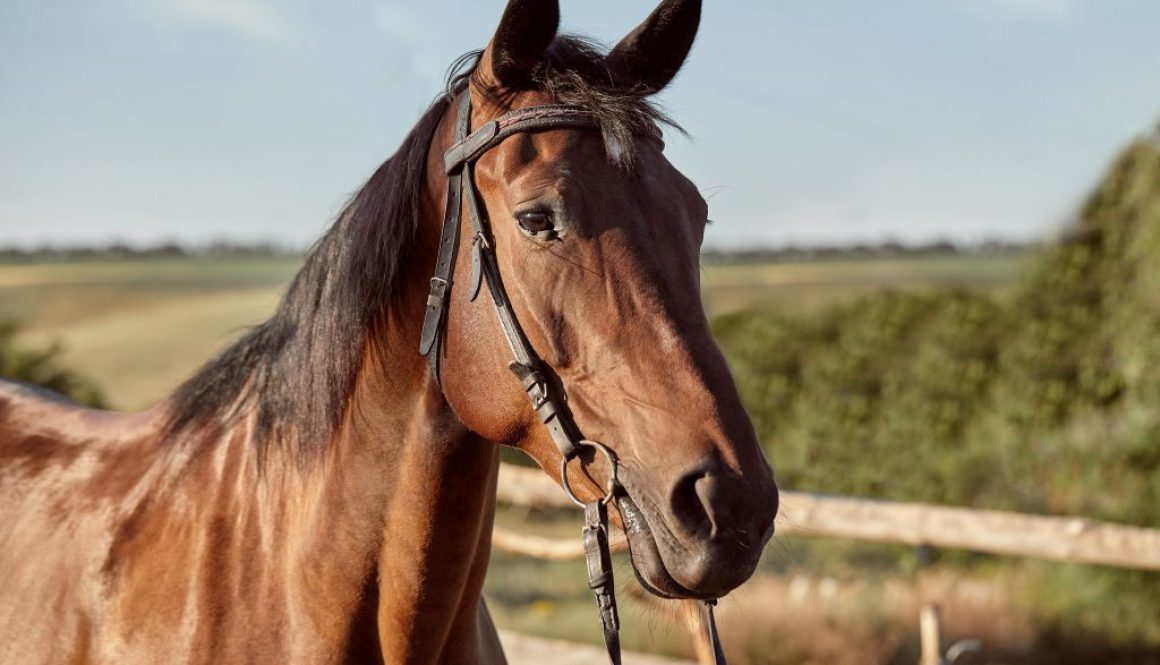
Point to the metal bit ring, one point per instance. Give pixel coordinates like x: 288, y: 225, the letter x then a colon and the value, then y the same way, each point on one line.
x: 612, y: 481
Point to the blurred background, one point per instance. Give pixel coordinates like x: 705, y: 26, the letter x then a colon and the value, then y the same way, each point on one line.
x: 934, y: 264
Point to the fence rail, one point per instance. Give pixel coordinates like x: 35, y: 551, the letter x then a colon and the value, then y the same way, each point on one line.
x: 1067, y: 539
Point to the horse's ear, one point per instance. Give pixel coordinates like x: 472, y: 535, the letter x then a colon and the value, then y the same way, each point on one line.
x: 650, y: 56
x: 524, y: 34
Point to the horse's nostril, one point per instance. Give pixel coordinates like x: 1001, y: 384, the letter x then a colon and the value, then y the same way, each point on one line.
x: 691, y: 501
x: 710, y: 505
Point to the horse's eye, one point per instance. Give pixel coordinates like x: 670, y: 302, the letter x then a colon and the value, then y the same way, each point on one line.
x: 537, y: 222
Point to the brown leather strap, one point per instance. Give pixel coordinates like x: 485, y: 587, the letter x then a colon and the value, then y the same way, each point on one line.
x: 598, y: 557
x: 519, y: 121
x: 430, y: 341
x: 527, y: 363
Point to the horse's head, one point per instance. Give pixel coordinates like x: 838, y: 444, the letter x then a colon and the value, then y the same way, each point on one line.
x: 597, y: 238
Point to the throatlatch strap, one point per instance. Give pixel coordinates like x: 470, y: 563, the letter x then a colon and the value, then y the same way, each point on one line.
x: 430, y: 342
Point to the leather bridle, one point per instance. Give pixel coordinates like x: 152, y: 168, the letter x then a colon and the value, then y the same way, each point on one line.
x: 548, y: 402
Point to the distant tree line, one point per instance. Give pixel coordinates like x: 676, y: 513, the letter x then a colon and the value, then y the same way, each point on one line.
x: 865, y: 250
x: 228, y: 249
x: 119, y: 251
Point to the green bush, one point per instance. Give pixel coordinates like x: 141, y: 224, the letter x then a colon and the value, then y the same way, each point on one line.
x: 1048, y: 402
x: 1045, y: 402
x: 859, y: 391
x: 41, y: 367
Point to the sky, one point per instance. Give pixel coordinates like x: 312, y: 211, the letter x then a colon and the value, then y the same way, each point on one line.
x: 811, y: 121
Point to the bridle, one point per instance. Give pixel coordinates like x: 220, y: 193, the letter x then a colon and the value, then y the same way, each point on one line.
x: 548, y: 401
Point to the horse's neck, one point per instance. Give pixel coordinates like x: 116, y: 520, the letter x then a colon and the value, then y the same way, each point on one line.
x: 383, y: 543
x: 378, y: 546
x: 436, y: 542
x: 413, y: 489
x: 437, y: 484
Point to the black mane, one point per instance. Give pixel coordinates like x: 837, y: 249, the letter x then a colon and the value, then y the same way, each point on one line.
x: 297, y: 370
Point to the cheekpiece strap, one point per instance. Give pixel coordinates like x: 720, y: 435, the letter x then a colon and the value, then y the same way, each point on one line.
x: 461, y: 195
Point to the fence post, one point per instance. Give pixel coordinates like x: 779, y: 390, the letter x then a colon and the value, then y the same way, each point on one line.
x: 698, y: 632
x: 930, y: 633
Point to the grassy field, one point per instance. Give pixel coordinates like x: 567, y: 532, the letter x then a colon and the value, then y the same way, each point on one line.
x: 804, y: 288
x: 139, y: 327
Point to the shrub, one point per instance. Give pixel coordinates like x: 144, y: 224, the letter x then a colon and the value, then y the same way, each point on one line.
x: 41, y: 367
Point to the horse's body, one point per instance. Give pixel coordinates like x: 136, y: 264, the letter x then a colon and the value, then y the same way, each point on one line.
x: 316, y: 495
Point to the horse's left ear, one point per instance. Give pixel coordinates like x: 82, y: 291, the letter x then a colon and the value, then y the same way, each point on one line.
x: 525, y: 32
x: 650, y: 56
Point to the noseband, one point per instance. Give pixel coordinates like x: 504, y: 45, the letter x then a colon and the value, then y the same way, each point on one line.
x: 548, y: 402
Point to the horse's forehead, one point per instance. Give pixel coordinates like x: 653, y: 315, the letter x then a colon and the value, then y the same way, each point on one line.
x: 579, y: 166
x: 590, y: 155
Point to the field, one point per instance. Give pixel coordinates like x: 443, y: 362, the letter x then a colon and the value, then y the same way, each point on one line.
x: 139, y: 327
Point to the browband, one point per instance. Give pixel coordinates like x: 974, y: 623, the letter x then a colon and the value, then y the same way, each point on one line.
x: 520, y: 121
x: 534, y: 119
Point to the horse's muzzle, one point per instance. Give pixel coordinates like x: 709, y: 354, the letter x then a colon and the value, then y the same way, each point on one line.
x: 708, y: 541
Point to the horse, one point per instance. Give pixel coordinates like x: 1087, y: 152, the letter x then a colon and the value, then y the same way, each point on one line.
x: 319, y: 493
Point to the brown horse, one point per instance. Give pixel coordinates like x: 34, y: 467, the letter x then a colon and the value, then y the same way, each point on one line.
x: 316, y: 495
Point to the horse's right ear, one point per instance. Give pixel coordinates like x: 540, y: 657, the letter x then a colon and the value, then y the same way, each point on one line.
x: 524, y: 34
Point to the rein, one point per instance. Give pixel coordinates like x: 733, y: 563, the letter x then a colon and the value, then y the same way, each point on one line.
x: 549, y: 404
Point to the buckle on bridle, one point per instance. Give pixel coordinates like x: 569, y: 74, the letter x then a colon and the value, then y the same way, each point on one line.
x: 438, y: 295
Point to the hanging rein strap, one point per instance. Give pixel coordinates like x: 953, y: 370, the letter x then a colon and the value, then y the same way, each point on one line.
x: 710, y: 624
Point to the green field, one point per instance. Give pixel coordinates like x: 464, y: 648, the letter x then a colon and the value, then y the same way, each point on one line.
x: 139, y: 327
x: 805, y: 288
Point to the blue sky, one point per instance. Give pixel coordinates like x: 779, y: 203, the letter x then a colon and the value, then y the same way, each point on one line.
x: 813, y: 121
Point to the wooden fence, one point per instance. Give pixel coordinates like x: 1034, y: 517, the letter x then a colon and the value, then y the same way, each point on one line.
x: 1068, y: 539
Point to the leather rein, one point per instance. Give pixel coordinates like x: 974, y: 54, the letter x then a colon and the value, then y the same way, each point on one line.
x: 548, y: 402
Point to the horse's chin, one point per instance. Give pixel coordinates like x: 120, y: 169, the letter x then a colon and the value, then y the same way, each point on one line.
x: 647, y: 563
